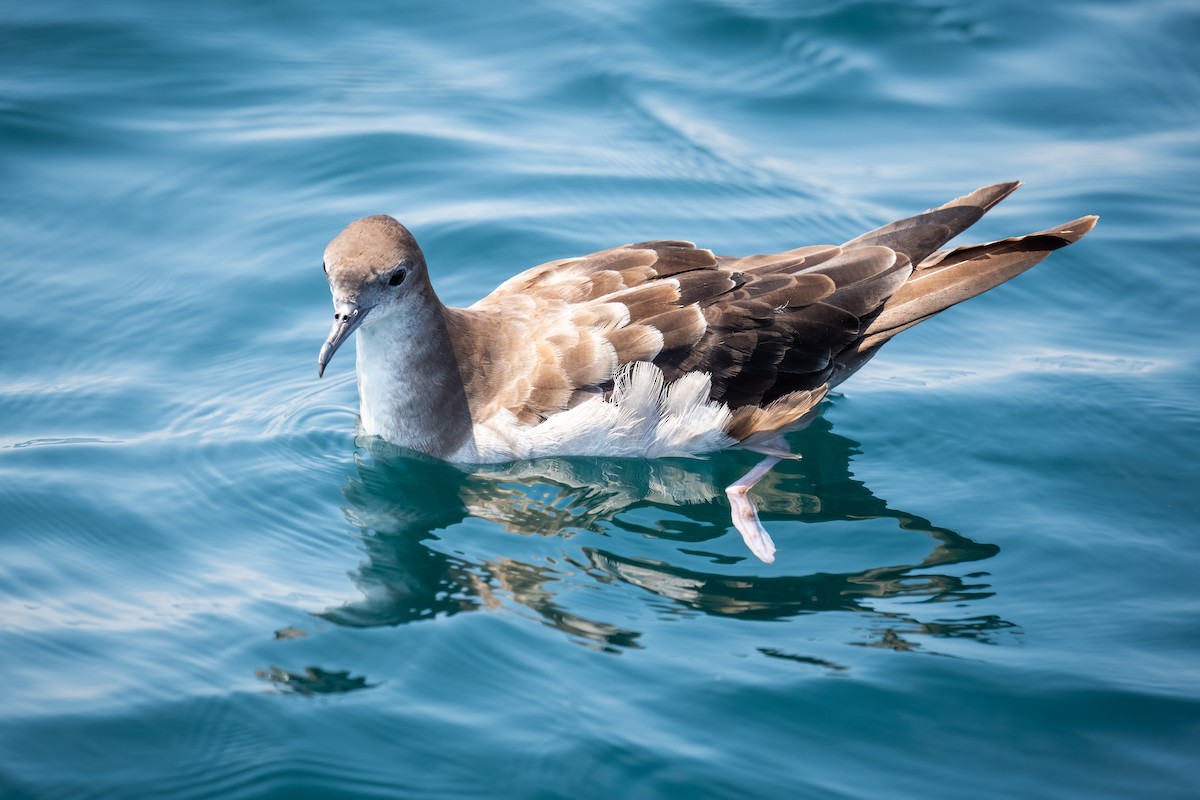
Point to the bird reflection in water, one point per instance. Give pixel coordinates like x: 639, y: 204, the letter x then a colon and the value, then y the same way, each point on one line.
x: 400, y: 502
x: 312, y: 681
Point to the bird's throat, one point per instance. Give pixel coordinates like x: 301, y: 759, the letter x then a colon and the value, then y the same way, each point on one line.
x: 409, y: 387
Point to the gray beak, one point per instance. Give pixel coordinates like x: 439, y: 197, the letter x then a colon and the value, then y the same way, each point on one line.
x: 346, y: 320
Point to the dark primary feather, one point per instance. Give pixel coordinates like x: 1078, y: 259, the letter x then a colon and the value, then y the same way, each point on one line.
x: 918, y: 236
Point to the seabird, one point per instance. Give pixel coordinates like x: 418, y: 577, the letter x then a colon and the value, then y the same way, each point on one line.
x: 647, y: 350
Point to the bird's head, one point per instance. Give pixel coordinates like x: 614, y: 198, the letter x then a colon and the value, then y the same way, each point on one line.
x: 371, y: 266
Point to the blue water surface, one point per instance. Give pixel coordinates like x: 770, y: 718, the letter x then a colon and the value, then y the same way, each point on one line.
x: 986, y: 584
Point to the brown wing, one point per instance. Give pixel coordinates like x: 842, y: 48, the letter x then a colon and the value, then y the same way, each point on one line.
x: 773, y: 331
x: 764, y: 327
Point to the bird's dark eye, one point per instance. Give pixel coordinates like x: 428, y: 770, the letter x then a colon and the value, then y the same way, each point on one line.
x: 397, y: 278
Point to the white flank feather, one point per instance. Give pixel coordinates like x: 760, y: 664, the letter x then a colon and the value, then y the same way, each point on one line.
x: 638, y: 396
x: 689, y: 418
x: 644, y: 418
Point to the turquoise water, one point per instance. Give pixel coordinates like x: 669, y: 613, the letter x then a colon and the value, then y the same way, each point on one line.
x: 986, y: 584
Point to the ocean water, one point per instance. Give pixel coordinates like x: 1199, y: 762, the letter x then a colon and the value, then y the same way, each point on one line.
x: 209, y: 588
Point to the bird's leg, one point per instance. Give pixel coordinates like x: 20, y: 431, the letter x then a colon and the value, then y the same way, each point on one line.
x: 745, y: 515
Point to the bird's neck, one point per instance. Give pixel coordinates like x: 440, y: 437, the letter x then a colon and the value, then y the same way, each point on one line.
x: 409, y: 387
